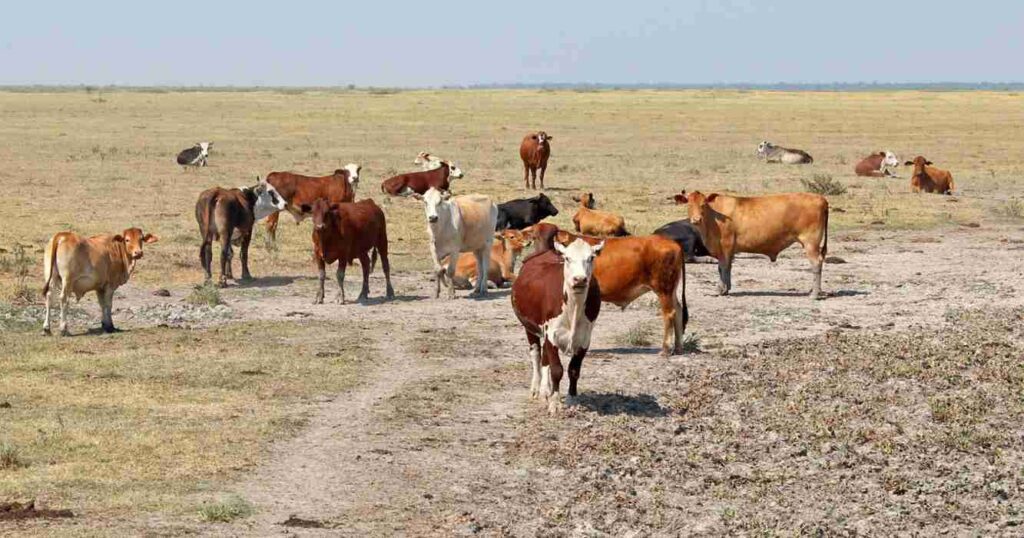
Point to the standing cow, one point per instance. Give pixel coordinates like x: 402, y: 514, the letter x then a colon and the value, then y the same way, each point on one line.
x: 778, y: 154
x: 195, y: 155
x: 525, y: 212
x: 228, y: 215
x: 460, y: 224
x: 418, y: 182
x: 346, y: 232
x: 535, y: 151
x: 298, y: 190
x: 878, y: 164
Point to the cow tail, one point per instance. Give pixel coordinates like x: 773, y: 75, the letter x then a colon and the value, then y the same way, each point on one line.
x: 373, y: 259
x: 824, y: 246
x: 49, y: 263
x: 682, y: 289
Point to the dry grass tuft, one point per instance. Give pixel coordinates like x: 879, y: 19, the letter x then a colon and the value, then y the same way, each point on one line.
x: 823, y: 184
x: 206, y: 293
x: 226, y: 510
x: 10, y: 457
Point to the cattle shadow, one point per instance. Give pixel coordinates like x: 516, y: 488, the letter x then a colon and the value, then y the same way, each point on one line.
x: 625, y: 351
x: 380, y: 299
x: 608, y: 403
x: 266, y: 282
x: 837, y: 293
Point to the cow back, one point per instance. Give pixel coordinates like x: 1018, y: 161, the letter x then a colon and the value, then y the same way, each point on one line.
x: 297, y: 189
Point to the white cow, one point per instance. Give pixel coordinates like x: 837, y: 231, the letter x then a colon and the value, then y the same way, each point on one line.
x: 455, y: 225
x: 195, y: 155
x: 428, y: 161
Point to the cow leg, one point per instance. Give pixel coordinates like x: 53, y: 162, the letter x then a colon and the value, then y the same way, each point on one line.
x: 386, y: 266
x: 449, y: 274
x: 106, y: 300
x: 526, y: 176
x: 46, y: 298
x: 682, y: 316
x: 322, y: 274
x: 65, y: 295
x: 340, y: 275
x: 533, y: 178
x: 543, y: 168
x: 244, y: 248
x: 817, y: 260
x: 364, y: 293
x: 482, y: 260
x: 225, y: 257
x: 725, y: 274
x: 669, y: 313
x: 271, y: 227
x: 206, y: 257
x: 575, y: 365
x: 554, y: 377
x: 535, y: 382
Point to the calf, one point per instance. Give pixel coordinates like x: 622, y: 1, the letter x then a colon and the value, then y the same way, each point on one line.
x: 101, y: 263
x: 228, y: 215
x: 589, y: 221
x: 535, y: 150
x: 345, y: 232
x: 778, y: 154
x: 456, y: 225
x: 427, y: 161
x: 927, y: 178
x: 508, y: 246
x: 760, y: 225
x: 878, y: 164
x: 557, y: 300
x: 687, y: 236
x: 525, y: 212
x: 298, y: 190
x: 419, y: 182
x: 195, y: 155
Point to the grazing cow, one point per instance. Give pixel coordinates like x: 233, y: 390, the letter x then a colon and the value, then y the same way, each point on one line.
x: 927, y: 178
x: 228, y: 215
x: 508, y: 245
x: 456, y: 225
x: 345, y: 232
x: 557, y: 298
x: 298, y: 190
x: 427, y: 160
x: 687, y: 236
x: 760, y: 225
x: 525, y: 212
x: 535, y: 151
x: 195, y: 155
x: 589, y: 221
x: 878, y: 164
x: 420, y: 182
x: 101, y: 263
x: 778, y: 154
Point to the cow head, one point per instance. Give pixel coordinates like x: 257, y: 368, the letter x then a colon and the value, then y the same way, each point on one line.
x: 435, y: 205
x: 320, y: 209
x: 586, y: 200
x: 577, y: 265
x: 889, y: 160
x: 421, y: 158
x: 454, y: 172
x: 679, y: 199
x: 133, y: 238
x: 514, y: 240
x: 697, y: 206
x: 352, y: 171
x: 545, y: 205
x: 763, y: 148
x: 541, y: 137
x: 204, y: 148
x: 918, y: 163
x: 268, y: 200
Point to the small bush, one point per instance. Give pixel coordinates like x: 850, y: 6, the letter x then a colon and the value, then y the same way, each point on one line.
x: 19, y: 263
x: 638, y: 335
x: 823, y: 184
x: 226, y: 510
x: 10, y: 456
x: 691, y: 343
x: 1013, y: 209
x: 205, y: 294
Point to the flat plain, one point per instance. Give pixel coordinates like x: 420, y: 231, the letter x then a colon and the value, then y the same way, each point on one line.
x: 892, y: 405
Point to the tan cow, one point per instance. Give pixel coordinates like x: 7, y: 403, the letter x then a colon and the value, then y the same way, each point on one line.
x: 455, y: 225
x: 508, y: 246
x: 761, y: 225
x: 101, y: 263
x: 927, y: 178
x: 590, y: 221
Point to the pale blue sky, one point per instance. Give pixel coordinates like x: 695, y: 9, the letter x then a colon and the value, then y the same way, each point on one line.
x: 400, y: 43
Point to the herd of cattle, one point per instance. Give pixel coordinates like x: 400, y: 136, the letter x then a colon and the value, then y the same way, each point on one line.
x: 558, y: 290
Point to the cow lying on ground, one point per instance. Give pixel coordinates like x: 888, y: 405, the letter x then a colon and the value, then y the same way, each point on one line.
x: 878, y: 164
x: 101, y: 263
x: 557, y: 300
x: 419, y: 182
x: 778, y: 154
x: 760, y: 225
x: 687, y: 236
x: 345, y: 232
x: 632, y: 266
x: 298, y: 190
x: 535, y: 151
x: 508, y: 245
x: 228, y: 215
x: 590, y: 221
x: 427, y: 160
x: 195, y: 155
x: 456, y: 225
x: 927, y: 178
x: 524, y: 212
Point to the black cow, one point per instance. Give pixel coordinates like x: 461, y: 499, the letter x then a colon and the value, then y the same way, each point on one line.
x: 518, y: 214
x: 684, y: 233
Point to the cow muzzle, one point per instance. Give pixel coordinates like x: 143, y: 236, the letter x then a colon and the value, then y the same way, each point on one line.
x: 137, y: 255
x: 432, y: 219
x: 579, y: 283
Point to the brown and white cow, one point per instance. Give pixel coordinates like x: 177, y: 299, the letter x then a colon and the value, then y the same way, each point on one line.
x: 419, y: 182
x: 298, y: 190
x: 455, y: 225
x: 101, y: 263
x: 878, y: 164
x: 761, y: 225
x: 227, y: 216
x: 345, y: 232
x: 535, y: 150
x: 927, y: 178
x: 590, y: 221
x: 557, y: 300
x: 508, y: 246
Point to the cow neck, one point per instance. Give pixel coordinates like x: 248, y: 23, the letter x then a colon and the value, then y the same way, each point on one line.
x: 574, y: 305
x: 126, y: 261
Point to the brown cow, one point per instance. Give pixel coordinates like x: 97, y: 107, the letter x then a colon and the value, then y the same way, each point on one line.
x: 508, y: 245
x: 557, y: 299
x: 298, y: 190
x: 927, y: 178
x: 535, y: 151
x: 101, y: 263
x: 346, y: 232
x: 878, y: 164
x: 590, y: 221
x: 761, y: 225
x: 228, y: 215
x: 420, y: 182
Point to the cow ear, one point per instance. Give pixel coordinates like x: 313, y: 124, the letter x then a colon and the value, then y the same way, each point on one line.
x: 929, y: 163
x: 118, y: 238
x: 908, y: 163
x: 549, y: 137
x: 150, y: 238
x: 680, y: 199
x: 575, y: 197
x: 560, y: 248
x: 711, y: 197
x: 305, y: 208
x: 446, y: 195
x: 598, y: 248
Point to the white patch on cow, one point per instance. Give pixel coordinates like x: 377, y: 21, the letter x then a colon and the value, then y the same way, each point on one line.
x: 454, y: 172
x: 268, y: 201
x: 889, y: 163
x: 353, y: 173
x: 763, y: 148
x: 535, y: 363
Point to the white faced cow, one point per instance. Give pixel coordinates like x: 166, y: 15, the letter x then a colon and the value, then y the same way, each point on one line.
x: 428, y: 161
x: 455, y: 225
x: 195, y: 155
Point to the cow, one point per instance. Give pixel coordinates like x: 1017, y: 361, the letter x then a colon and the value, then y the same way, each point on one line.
x: 557, y: 299
x: 419, y: 182
x: 228, y: 215
x: 589, y: 221
x: 101, y: 263
x: 508, y: 245
x: 535, y: 150
x: 343, y: 232
x: 760, y: 225
x: 687, y: 236
x: 298, y: 190
x: 878, y: 164
x: 428, y: 161
x: 195, y: 155
x: 525, y: 212
x: 455, y: 225
x: 778, y: 154
x: 927, y: 178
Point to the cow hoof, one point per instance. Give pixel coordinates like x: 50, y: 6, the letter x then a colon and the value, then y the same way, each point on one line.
x: 664, y: 354
x: 109, y: 329
x: 363, y: 297
x: 46, y: 331
x: 318, y: 300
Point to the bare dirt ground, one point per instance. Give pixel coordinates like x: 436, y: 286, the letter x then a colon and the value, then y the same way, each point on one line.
x: 440, y: 437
